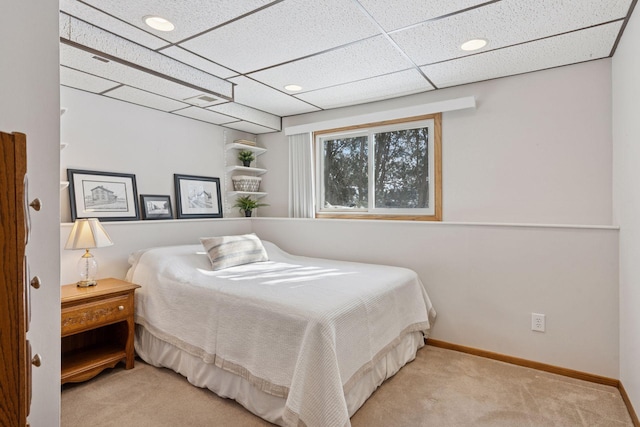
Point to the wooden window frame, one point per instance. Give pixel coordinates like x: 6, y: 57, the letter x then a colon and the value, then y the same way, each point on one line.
x: 436, y: 174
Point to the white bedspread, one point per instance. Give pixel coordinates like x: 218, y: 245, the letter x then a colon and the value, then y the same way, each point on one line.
x: 304, y: 329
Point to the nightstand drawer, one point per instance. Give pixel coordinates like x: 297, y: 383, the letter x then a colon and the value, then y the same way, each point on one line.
x: 91, y: 315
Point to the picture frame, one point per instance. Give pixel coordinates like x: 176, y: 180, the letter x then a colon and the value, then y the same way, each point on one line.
x: 108, y: 196
x: 154, y: 206
x: 197, y: 196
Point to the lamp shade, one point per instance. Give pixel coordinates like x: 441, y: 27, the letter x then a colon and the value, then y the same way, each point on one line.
x: 87, y: 233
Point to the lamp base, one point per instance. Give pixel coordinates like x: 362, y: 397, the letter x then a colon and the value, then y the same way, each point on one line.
x: 86, y: 283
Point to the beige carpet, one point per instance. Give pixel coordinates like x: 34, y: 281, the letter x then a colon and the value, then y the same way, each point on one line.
x: 440, y: 388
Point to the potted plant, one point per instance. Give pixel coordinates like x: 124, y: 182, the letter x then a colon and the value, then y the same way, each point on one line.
x: 246, y: 204
x: 246, y: 157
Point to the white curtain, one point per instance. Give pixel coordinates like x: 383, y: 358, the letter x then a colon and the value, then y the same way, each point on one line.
x: 301, y: 195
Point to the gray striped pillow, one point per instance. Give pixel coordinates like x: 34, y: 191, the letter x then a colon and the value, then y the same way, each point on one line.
x: 229, y: 251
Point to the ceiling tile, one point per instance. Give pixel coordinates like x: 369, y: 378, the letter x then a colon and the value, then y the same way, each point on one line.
x: 189, y: 16
x: 140, y: 97
x: 106, y: 22
x: 248, y: 114
x: 369, y: 90
x: 402, y: 13
x: 332, y: 48
x: 205, y: 115
x: 84, y: 81
x: 585, y: 45
x: 187, y: 57
x: 81, y: 60
x: 99, y: 40
x: 257, y: 95
x: 347, y: 64
x: 249, y: 127
x: 283, y: 32
x: 503, y: 24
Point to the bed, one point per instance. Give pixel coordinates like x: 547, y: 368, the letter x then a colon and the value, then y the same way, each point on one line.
x: 295, y: 340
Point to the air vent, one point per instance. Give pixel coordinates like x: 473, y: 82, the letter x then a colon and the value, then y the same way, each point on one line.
x: 100, y: 59
x: 203, y: 100
x: 207, y: 98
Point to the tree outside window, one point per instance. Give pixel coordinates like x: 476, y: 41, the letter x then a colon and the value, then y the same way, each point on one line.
x: 381, y: 170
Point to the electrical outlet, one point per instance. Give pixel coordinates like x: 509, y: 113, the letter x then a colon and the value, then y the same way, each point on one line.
x: 537, y: 322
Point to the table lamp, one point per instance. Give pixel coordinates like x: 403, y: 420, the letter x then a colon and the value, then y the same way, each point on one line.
x: 87, y: 234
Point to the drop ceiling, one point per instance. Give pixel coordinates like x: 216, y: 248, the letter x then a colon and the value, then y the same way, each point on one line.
x: 227, y: 62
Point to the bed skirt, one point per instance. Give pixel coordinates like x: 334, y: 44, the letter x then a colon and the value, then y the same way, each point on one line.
x: 160, y: 353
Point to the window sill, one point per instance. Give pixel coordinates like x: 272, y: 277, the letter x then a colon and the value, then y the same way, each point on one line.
x: 387, y: 217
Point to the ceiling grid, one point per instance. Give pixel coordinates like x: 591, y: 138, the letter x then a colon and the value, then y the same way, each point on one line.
x: 245, y: 53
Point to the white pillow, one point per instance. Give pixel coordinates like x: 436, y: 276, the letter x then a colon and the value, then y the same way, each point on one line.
x: 229, y: 251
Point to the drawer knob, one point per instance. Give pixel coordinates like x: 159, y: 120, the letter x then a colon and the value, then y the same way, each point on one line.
x: 121, y: 307
x: 36, y: 361
x: 35, y: 282
x: 36, y: 204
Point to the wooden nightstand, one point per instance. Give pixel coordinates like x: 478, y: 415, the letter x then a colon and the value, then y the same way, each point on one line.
x: 97, y: 328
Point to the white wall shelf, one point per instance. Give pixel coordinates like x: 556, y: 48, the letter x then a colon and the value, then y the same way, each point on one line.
x: 256, y: 194
x: 237, y: 146
x: 233, y: 168
x: 63, y: 145
x: 255, y: 171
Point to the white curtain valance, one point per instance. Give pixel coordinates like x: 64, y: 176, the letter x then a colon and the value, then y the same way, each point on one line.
x: 378, y: 116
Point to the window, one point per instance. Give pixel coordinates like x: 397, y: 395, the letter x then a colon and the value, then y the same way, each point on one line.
x: 386, y: 170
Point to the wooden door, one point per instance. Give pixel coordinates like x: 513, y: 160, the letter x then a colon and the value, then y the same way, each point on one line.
x: 15, y: 364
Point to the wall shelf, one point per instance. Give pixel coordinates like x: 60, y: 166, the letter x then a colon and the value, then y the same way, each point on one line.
x: 257, y: 194
x: 236, y: 146
x: 233, y: 168
x: 255, y: 171
x: 63, y: 145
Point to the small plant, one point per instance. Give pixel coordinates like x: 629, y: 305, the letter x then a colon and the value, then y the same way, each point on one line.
x: 246, y: 157
x: 246, y: 204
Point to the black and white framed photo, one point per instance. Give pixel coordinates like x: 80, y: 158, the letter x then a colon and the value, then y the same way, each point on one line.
x: 108, y: 196
x: 155, y: 206
x: 198, y: 196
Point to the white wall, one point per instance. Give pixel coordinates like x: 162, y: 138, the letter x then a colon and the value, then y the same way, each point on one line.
x: 276, y: 180
x: 499, y: 274
x: 485, y: 281
x: 105, y: 134
x: 626, y: 180
x: 30, y: 104
x: 537, y: 149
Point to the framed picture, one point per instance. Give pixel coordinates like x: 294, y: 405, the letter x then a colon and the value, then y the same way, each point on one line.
x: 155, y: 207
x: 108, y: 196
x: 198, y: 196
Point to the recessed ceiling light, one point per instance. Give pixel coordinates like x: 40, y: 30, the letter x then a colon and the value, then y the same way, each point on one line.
x: 293, y: 88
x: 474, y: 44
x: 158, y: 23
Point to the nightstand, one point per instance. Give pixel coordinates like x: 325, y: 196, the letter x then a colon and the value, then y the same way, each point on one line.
x: 97, y: 328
